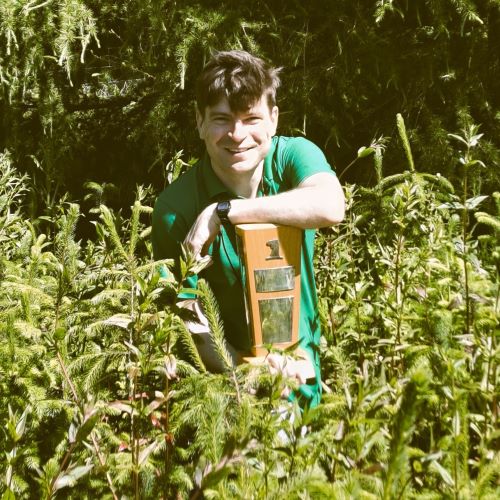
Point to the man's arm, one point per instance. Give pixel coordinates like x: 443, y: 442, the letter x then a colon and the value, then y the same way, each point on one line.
x: 316, y: 202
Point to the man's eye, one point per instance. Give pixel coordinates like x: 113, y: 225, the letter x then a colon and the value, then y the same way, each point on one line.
x: 219, y: 120
x: 253, y: 119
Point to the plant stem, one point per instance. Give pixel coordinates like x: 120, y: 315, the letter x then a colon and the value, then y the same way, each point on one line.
x: 465, y: 220
x: 353, y: 282
x: 67, y: 377
x: 167, y: 426
x: 236, y: 386
x: 95, y: 443
x: 134, y: 441
x: 484, y: 437
x: 62, y: 467
x: 455, y: 449
x: 397, y: 291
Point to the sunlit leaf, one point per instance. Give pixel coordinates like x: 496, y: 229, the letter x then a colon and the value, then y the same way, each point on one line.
x: 71, y: 477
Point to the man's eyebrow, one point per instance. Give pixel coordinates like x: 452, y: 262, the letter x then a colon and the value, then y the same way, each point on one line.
x: 225, y: 114
x: 218, y: 113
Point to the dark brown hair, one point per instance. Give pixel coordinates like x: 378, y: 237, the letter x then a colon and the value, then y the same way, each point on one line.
x: 239, y: 76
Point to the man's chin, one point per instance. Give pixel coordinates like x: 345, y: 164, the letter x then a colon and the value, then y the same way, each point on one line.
x: 244, y: 166
x: 235, y: 166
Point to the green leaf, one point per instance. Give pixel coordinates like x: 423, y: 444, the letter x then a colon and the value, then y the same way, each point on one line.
x: 87, y: 426
x: 445, y: 475
x: 216, y: 476
x: 8, y: 494
x: 21, y: 424
x: 72, y: 477
x: 72, y: 433
x: 144, y: 454
x: 200, y: 264
x: 476, y: 162
x: 119, y: 405
x: 78, y: 434
x: 458, y: 138
x: 60, y: 333
x: 286, y: 451
x: 120, y: 320
x: 363, y: 151
x: 472, y: 203
x: 453, y: 205
x: 474, y: 140
x: 404, y: 139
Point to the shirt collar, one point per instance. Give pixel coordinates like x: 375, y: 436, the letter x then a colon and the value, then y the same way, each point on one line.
x: 267, y: 174
x: 214, y: 186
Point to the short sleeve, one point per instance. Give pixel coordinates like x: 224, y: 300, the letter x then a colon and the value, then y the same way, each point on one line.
x: 168, y: 232
x: 300, y: 159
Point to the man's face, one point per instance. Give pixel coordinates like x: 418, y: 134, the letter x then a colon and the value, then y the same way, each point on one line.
x: 237, y: 141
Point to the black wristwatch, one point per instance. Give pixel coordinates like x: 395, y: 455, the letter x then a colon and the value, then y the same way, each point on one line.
x: 223, y: 208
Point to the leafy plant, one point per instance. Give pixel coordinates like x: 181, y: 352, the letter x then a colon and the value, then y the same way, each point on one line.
x: 103, y: 392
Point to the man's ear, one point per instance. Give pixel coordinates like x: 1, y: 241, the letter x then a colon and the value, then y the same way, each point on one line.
x: 274, y: 118
x: 199, y: 121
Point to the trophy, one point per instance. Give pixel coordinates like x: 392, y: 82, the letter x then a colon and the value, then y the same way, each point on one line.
x: 270, y: 261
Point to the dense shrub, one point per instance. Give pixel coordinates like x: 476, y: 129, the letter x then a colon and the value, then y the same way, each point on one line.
x: 102, y: 393
x: 95, y: 91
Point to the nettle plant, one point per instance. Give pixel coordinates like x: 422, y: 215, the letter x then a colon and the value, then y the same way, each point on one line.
x: 409, y: 303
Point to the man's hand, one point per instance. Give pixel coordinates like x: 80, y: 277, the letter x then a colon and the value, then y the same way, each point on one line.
x: 298, y: 369
x: 203, y: 231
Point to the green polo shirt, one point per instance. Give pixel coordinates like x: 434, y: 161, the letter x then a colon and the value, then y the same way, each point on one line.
x: 289, y: 162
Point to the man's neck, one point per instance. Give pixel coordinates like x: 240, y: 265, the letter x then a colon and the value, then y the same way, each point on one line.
x: 244, y: 184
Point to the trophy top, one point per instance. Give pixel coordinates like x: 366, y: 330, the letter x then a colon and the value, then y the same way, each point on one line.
x: 255, y: 227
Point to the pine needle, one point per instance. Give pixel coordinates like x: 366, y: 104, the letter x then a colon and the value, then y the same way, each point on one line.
x: 211, y: 310
x: 186, y: 339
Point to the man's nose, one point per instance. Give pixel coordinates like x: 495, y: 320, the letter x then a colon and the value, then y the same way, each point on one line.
x: 237, y: 132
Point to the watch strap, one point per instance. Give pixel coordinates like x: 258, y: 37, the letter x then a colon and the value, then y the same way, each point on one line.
x: 222, y: 209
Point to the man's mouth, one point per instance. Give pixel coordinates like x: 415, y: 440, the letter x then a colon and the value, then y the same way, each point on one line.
x: 236, y: 151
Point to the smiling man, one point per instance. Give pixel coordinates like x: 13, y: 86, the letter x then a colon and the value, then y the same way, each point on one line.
x: 248, y: 175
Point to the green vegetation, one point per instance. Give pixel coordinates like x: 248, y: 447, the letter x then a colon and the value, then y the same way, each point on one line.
x: 96, y: 91
x: 102, y: 393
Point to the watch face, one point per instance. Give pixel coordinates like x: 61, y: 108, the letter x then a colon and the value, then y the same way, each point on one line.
x: 223, y: 208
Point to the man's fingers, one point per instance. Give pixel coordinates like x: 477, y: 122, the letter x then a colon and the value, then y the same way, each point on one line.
x: 203, y: 232
x: 275, y: 363
x: 300, y: 369
x: 300, y: 377
x: 279, y: 363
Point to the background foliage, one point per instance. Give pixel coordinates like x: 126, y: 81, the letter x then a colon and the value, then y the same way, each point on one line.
x: 102, y: 393
x: 95, y: 91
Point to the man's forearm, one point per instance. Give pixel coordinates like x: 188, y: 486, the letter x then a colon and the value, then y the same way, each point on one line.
x: 311, y: 205
x: 317, y: 202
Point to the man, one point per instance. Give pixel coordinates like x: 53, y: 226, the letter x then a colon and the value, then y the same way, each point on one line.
x: 248, y: 175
